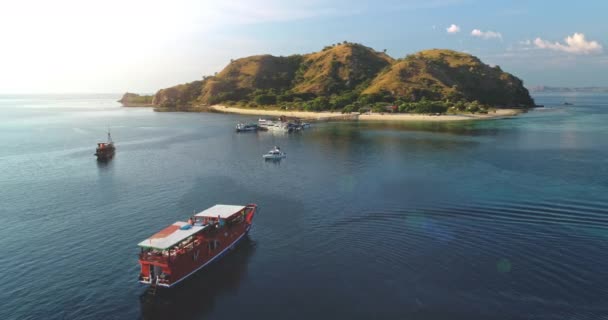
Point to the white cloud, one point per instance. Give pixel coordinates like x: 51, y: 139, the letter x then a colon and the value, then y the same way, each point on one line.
x: 453, y: 28
x: 575, y: 43
x: 525, y: 42
x: 486, y: 34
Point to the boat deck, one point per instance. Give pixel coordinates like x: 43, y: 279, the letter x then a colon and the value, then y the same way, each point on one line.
x: 171, y: 235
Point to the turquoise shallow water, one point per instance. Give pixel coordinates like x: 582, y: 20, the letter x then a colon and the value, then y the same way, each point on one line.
x: 504, y: 219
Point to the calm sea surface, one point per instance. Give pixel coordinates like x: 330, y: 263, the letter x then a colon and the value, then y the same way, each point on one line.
x: 503, y: 219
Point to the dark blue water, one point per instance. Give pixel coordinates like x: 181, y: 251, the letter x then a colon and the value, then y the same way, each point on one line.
x: 504, y: 219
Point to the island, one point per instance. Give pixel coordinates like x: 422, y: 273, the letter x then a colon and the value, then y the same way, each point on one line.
x: 348, y: 79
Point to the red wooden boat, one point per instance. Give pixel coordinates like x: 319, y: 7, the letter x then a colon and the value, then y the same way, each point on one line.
x: 105, y: 150
x: 181, y: 249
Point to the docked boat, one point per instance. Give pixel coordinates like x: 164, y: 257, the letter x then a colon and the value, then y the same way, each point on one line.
x: 242, y: 127
x: 181, y: 249
x: 262, y: 122
x: 275, y: 154
x: 105, y: 150
x: 282, y: 125
x: 272, y: 125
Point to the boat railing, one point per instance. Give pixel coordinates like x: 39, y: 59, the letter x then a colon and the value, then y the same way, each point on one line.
x: 168, y: 256
x: 154, y: 257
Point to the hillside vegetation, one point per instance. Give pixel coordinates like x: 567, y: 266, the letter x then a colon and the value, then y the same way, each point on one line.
x: 352, y: 77
x: 135, y: 100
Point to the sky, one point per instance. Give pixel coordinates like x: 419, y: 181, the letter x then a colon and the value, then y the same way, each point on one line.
x: 113, y: 46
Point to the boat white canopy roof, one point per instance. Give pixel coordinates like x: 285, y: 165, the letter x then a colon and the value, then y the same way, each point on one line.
x: 170, y: 236
x: 222, y: 210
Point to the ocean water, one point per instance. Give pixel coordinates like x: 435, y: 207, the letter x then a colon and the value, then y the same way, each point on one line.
x: 501, y: 219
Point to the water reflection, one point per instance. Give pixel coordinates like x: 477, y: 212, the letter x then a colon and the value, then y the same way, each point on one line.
x: 357, y: 145
x: 460, y: 128
x: 104, y: 165
x: 196, y: 296
x: 276, y: 162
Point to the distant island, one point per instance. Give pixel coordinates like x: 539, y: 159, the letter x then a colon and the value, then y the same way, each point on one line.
x: 349, y: 77
x: 569, y: 89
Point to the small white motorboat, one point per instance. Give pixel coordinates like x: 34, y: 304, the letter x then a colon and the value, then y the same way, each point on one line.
x: 275, y: 154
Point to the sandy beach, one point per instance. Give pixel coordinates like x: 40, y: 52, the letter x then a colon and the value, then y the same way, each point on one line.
x: 328, y: 116
x: 498, y: 113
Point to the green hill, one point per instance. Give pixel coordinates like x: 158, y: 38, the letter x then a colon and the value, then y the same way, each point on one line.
x: 446, y: 74
x: 338, y: 68
x: 180, y: 97
x: 351, y: 76
x: 246, y: 75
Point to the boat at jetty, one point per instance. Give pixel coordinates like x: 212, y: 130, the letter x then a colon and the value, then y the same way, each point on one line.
x: 270, y: 125
x: 178, y: 251
x: 283, y: 125
x: 275, y: 154
x: 242, y: 127
x: 105, y: 150
x: 280, y: 127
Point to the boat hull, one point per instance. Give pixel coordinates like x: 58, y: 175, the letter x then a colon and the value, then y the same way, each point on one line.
x: 273, y: 157
x: 215, y: 258
x: 104, y: 156
x: 247, y: 128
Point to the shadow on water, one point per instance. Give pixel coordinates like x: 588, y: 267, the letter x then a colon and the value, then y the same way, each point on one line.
x: 104, y: 164
x: 351, y: 140
x: 196, y: 296
x: 270, y: 162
